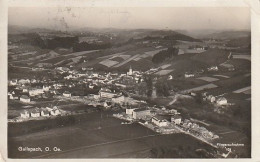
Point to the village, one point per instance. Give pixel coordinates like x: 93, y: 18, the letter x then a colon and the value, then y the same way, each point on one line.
x: 111, y: 92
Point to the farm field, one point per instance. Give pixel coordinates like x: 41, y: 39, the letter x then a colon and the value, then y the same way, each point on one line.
x: 208, y: 79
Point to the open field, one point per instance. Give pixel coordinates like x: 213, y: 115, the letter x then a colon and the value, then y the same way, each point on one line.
x: 108, y: 63
x: 208, y: 79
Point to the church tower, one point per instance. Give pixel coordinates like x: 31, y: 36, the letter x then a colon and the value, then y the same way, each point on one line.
x: 130, y: 71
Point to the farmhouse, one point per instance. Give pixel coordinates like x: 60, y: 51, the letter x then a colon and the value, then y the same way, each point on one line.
x: 25, y: 98
x: 140, y: 113
x: 159, y: 121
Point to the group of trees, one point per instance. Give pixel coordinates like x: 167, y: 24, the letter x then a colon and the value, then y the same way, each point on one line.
x: 162, y: 88
x: 165, y: 54
x: 146, y: 88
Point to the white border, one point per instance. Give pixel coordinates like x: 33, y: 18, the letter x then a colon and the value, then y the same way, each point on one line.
x: 255, y: 34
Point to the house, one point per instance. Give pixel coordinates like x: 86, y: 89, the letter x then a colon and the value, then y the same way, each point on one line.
x: 176, y: 119
x: 35, y: 113
x: 45, y: 88
x: 221, y: 101
x: 25, y: 114
x: 24, y: 81
x: 170, y: 77
x: 67, y: 94
x: 187, y: 75
x: 13, y: 97
x: 129, y: 111
x: 55, y: 112
x: 13, y: 82
x: 159, y: 121
x: 25, y: 89
x: 140, y: 113
x: 25, y: 98
x: 106, y: 93
x: 213, y: 68
x: 211, y: 98
x: 120, y: 85
x: 35, y: 91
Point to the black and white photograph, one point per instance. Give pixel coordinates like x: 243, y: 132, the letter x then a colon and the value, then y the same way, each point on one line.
x: 129, y: 82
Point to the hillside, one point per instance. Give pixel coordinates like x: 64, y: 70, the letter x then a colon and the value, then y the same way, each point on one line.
x: 212, y: 56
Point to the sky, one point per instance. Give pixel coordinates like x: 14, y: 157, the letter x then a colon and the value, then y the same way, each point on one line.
x: 175, y: 18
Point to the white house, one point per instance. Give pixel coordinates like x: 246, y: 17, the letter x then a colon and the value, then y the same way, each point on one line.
x: 13, y: 82
x: 25, y: 114
x: 35, y: 91
x: 67, y: 94
x: 13, y: 97
x: 176, y: 119
x: 35, y: 113
x: 25, y: 98
x: 221, y: 101
x: 213, y: 68
x: 211, y: 98
x: 106, y: 94
x: 55, y: 112
x: 188, y: 75
x: 46, y: 88
x: 24, y: 81
x: 159, y: 121
x: 129, y: 111
x: 170, y: 77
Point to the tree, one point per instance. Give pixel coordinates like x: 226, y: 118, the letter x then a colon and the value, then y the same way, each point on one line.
x: 149, y: 82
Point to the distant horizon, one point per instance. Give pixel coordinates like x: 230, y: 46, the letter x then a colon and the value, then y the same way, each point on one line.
x: 114, y: 28
x: 167, y: 18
